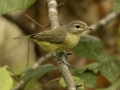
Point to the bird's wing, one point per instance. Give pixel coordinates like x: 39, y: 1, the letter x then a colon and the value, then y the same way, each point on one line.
x: 53, y: 36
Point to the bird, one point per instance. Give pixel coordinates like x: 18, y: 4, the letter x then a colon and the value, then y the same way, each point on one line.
x: 59, y: 39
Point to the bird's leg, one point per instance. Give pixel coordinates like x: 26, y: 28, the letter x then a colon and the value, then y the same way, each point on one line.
x: 65, y: 53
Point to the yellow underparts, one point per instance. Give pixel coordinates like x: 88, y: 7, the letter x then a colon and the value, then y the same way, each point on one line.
x: 70, y: 42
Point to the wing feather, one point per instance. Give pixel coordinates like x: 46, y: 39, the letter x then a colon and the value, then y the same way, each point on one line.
x: 53, y: 36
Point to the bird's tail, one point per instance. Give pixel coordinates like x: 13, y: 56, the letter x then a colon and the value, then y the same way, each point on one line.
x: 22, y: 37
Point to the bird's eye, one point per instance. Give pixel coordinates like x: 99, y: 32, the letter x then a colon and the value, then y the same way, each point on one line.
x: 77, y: 26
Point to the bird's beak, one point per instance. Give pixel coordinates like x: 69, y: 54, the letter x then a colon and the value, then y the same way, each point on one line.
x: 89, y: 28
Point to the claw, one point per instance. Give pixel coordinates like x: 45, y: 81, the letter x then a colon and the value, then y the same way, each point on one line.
x: 58, y: 54
x: 69, y: 53
x: 63, y: 61
x: 66, y: 53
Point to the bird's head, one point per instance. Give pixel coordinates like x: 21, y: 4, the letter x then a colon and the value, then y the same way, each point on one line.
x: 77, y: 27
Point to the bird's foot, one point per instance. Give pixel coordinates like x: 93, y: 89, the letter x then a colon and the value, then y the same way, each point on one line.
x: 65, y: 53
x: 60, y: 59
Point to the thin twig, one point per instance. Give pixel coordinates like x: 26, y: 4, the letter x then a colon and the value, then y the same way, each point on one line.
x: 42, y: 60
x: 59, y: 5
x: 27, y: 55
x: 37, y: 22
x: 104, y: 21
x: 24, y: 28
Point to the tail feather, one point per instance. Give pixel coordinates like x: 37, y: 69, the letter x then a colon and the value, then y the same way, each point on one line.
x: 22, y: 37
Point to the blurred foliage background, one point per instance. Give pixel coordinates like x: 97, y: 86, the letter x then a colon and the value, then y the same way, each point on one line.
x: 13, y: 53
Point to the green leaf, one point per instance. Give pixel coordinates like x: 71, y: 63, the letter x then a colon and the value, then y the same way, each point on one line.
x: 109, y: 67
x: 116, y: 5
x: 13, y: 5
x: 89, y: 47
x: 62, y: 82
x: 91, y: 67
x: 88, y: 78
x: 6, y: 81
x: 38, y: 72
x: 77, y: 82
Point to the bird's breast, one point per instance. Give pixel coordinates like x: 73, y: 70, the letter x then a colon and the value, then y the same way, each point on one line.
x: 48, y: 46
x: 71, y: 41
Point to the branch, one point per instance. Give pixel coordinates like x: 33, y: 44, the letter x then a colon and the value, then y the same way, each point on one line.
x: 53, y: 18
x: 40, y: 61
x: 104, y: 21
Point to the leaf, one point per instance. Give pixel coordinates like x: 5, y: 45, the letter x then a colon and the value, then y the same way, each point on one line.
x: 88, y: 74
x: 109, y: 67
x: 62, y: 82
x: 89, y: 47
x: 13, y: 5
x: 91, y: 67
x: 77, y: 82
x: 116, y: 5
x: 88, y: 78
x: 38, y: 72
x: 6, y: 81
